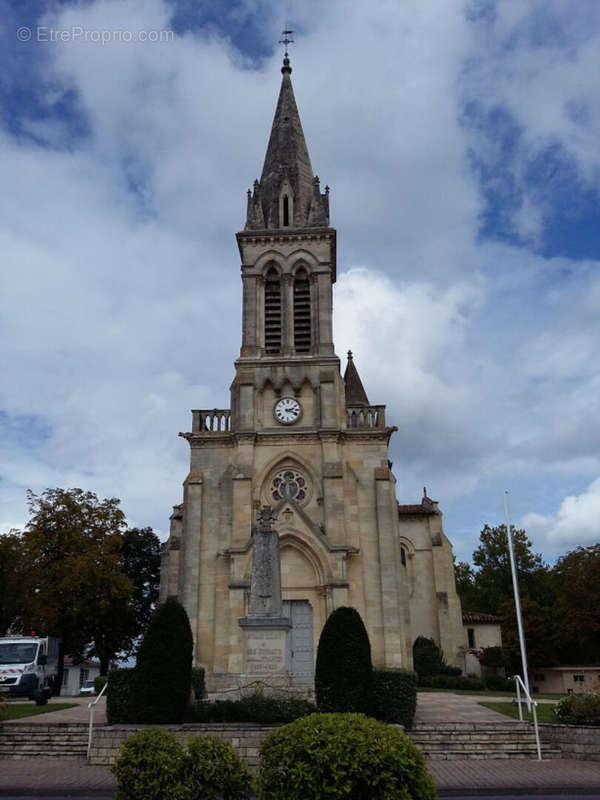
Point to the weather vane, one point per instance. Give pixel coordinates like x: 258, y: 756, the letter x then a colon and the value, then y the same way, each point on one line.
x: 286, y: 40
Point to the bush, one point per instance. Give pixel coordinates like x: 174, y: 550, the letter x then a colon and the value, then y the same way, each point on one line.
x: 428, y: 659
x: 579, y: 709
x: 394, y: 696
x: 448, y: 670
x: 150, y: 765
x: 3, y: 708
x: 99, y: 683
x: 451, y: 682
x: 163, y: 673
x: 493, y: 657
x: 497, y: 683
x: 214, y: 771
x: 119, y: 710
x: 198, y: 686
x: 258, y: 708
x: 343, y: 670
x: 342, y: 756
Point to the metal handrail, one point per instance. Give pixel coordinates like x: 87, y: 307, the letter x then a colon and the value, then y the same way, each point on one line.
x: 91, y: 707
x: 531, y: 707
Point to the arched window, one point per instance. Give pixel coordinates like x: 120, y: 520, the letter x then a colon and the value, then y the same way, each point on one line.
x: 272, y: 312
x: 302, y: 322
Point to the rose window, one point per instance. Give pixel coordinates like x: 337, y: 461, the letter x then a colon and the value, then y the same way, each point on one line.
x: 289, y: 485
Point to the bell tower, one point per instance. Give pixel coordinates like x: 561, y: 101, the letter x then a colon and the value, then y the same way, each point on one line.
x: 288, y: 252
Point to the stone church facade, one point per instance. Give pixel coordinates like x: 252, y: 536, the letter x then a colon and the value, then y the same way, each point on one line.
x: 304, y: 439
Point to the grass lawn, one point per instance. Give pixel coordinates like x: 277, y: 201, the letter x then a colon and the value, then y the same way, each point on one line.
x: 544, y: 712
x: 18, y: 710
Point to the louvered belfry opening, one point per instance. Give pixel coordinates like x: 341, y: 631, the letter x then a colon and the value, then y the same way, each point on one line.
x: 272, y: 312
x: 302, y: 338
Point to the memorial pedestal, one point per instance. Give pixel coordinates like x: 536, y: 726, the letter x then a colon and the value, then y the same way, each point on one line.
x: 265, y: 647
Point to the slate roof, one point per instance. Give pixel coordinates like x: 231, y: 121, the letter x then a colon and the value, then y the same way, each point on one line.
x: 287, y: 160
x: 355, y: 392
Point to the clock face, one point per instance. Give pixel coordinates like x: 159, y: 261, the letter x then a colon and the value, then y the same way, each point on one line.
x: 287, y: 410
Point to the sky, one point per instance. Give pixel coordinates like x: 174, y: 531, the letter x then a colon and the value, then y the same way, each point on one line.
x: 460, y: 142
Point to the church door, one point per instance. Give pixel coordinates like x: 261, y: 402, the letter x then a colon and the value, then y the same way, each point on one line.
x: 300, y: 640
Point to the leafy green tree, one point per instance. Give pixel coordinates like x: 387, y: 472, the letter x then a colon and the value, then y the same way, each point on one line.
x: 141, y: 562
x: 466, y: 586
x: 163, y: 673
x: 77, y: 589
x: 343, y: 671
x: 13, y: 576
x: 428, y: 659
x: 493, y: 578
x: 540, y: 630
x: 576, y: 581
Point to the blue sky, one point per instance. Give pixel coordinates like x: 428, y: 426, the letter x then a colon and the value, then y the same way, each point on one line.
x: 460, y: 141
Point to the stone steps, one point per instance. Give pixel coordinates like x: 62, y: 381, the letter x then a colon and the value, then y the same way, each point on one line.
x: 23, y: 741
x: 448, y: 742
x: 454, y: 741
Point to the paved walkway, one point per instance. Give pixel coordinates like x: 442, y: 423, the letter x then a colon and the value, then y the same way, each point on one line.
x: 74, y: 779
x: 445, y: 707
x: 80, y: 713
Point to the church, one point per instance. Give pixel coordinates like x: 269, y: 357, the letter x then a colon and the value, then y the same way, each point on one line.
x: 304, y: 439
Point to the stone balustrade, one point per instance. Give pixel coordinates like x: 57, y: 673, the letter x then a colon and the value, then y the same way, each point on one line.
x: 365, y: 416
x: 211, y: 420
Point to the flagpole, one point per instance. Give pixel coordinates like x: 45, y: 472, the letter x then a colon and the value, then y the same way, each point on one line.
x: 517, y: 598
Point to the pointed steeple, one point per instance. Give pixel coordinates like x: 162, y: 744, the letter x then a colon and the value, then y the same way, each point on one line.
x: 355, y: 392
x: 288, y: 193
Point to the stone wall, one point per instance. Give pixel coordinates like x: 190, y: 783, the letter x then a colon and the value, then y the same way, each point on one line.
x: 580, y: 742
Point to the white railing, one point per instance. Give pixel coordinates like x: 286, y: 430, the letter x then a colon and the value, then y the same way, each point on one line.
x: 531, y: 707
x: 91, y: 707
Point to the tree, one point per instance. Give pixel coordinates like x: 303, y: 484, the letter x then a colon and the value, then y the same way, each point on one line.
x: 540, y: 631
x: 576, y: 581
x: 77, y: 588
x: 343, y: 670
x: 141, y: 562
x: 493, y: 578
x: 13, y: 571
x: 466, y: 586
x: 163, y: 673
x: 428, y: 659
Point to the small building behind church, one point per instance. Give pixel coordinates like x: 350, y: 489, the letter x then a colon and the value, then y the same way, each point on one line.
x: 304, y: 438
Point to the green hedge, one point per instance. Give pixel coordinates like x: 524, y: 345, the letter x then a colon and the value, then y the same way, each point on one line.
x: 343, y: 668
x: 335, y: 756
x: 119, y: 709
x: 99, y: 682
x: 163, y: 672
x: 152, y: 765
x: 394, y: 696
x: 498, y: 683
x: 258, y: 708
x: 579, y: 709
x: 450, y: 682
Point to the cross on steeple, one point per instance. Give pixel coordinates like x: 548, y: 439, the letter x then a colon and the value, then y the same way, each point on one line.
x: 286, y: 40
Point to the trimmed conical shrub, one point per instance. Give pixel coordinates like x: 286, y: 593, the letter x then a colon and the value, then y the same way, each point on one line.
x: 163, y: 673
x: 343, y: 672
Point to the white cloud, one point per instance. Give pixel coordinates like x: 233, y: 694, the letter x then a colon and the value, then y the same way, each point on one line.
x: 577, y: 521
